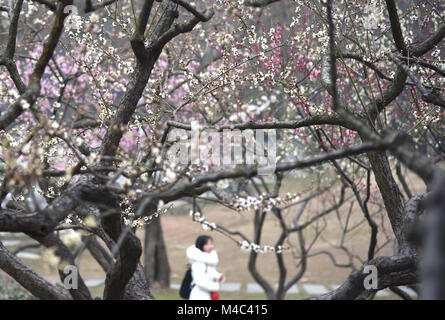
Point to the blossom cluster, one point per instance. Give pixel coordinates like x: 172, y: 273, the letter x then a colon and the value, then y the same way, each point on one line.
x: 249, y: 246
x: 263, y: 202
x: 205, y: 224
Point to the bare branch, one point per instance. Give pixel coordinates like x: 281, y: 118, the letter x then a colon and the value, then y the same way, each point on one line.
x: 30, y: 280
x: 259, y: 3
x: 391, y: 271
x: 395, y: 26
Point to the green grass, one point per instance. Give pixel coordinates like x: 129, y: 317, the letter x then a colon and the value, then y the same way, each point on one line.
x: 11, y: 290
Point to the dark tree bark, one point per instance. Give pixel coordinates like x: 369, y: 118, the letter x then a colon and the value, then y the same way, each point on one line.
x: 433, y: 264
x: 391, y: 271
x: 157, y: 267
x: 258, y: 228
x: 392, y: 196
x: 30, y: 280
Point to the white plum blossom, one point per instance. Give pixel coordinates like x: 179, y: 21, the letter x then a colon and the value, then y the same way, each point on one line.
x: 245, y: 245
x: 90, y: 221
x: 222, y: 184
x: 71, y: 238
x: 206, y: 225
x: 170, y: 176
x: 50, y: 258
x: 25, y: 104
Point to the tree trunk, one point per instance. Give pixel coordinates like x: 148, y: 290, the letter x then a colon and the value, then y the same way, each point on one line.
x: 392, y: 197
x: 433, y: 284
x: 258, y: 228
x: 157, y: 267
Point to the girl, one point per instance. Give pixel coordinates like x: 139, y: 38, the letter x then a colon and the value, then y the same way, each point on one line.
x: 203, y: 259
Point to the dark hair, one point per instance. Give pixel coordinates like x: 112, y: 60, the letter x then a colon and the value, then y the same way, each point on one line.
x: 201, y: 242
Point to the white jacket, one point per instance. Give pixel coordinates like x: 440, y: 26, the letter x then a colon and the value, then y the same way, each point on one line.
x: 204, y: 273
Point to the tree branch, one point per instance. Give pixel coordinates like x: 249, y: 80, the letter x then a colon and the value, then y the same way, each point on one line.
x: 391, y: 271
x: 30, y: 280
